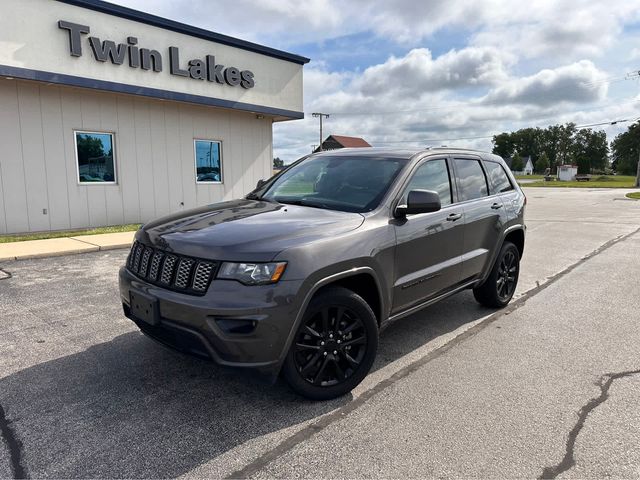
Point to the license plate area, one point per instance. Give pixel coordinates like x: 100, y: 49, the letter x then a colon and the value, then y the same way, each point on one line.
x: 144, y: 307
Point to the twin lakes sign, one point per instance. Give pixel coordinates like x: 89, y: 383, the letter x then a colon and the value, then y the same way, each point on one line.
x: 148, y: 59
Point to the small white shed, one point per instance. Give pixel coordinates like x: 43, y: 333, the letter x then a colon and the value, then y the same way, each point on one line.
x: 567, y: 173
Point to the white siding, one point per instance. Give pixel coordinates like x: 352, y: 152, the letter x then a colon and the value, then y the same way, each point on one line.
x: 35, y: 172
x: 154, y: 155
x: 11, y: 161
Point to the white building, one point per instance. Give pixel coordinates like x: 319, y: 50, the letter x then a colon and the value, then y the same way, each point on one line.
x: 528, y: 166
x: 567, y: 173
x: 110, y: 116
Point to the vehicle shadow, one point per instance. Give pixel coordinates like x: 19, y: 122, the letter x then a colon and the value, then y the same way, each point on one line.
x: 131, y: 408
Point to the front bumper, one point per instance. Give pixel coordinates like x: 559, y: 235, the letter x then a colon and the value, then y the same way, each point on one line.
x: 232, y: 324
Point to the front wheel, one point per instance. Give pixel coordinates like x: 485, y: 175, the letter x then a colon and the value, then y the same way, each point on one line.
x: 334, y: 346
x: 498, y: 289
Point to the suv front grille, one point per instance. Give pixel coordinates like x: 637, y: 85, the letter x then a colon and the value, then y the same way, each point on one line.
x: 175, y: 272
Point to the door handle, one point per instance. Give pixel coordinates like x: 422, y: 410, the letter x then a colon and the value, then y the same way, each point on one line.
x: 454, y: 216
x: 496, y: 206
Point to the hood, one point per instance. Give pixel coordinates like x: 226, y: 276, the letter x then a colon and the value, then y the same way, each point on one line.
x: 245, y: 230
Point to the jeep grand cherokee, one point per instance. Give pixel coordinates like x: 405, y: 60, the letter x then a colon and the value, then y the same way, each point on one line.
x: 301, y: 275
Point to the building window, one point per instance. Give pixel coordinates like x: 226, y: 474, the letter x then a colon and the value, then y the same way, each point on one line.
x: 208, y: 161
x: 95, y: 156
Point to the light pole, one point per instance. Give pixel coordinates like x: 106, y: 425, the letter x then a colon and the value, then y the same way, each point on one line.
x: 638, y: 170
x: 320, y: 116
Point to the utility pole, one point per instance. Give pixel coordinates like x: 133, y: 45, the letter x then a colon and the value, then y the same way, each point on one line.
x: 638, y: 171
x: 320, y: 116
x: 630, y: 76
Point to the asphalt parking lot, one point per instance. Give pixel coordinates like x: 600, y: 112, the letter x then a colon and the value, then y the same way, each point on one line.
x: 547, y: 387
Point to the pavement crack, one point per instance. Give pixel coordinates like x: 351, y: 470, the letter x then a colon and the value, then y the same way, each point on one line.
x: 4, y: 275
x: 14, y: 445
x: 569, y: 461
x: 337, y: 415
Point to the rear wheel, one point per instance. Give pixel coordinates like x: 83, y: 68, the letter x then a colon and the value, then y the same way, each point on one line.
x: 334, y: 347
x: 498, y: 289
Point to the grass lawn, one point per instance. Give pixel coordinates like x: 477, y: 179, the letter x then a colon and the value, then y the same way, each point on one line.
x: 634, y: 195
x: 68, y: 233
x: 602, y: 181
x: 529, y: 177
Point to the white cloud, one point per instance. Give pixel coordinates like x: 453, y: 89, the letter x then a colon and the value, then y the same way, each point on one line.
x: 536, y: 28
x: 426, y: 105
x: 580, y: 82
x: 514, y: 64
x: 417, y: 72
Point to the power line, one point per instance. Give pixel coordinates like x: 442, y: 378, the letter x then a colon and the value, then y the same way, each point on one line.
x: 612, y: 122
x: 479, y: 137
x: 536, y: 117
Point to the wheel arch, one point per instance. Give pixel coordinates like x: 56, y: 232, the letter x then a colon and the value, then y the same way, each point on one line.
x: 354, y: 277
x: 365, y: 285
x: 516, y: 236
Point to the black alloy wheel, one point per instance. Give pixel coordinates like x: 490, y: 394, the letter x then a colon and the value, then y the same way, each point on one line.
x: 499, y: 287
x: 334, y: 346
x: 331, y: 346
x: 507, y: 276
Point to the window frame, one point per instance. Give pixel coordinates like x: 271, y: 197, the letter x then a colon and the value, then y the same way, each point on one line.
x: 113, y: 149
x: 484, y: 172
x: 195, y: 162
x: 405, y: 183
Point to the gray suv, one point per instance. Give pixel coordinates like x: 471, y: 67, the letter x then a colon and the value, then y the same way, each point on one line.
x: 301, y: 275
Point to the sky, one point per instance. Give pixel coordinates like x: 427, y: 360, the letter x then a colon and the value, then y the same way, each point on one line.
x: 439, y: 72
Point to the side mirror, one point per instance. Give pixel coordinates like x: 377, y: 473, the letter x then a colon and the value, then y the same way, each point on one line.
x: 419, y: 201
x: 260, y: 183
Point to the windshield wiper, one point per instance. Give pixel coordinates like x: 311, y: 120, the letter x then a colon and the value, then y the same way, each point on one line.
x: 303, y: 203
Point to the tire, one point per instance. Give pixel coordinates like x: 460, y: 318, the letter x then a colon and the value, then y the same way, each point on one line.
x: 334, y: 346
x: 499, y: 287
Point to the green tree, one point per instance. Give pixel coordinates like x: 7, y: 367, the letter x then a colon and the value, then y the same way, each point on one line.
x: 527, y: 142
x: 516, y: 163
x: 565, y: 144
x: 277, y: 163
x: 590, y: 150
x: 542, y: 163
x: 503, y: 145
x: 625, y: 149
x: 557, y: 141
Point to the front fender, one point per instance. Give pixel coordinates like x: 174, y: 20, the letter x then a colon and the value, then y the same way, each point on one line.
x: 321, y: 279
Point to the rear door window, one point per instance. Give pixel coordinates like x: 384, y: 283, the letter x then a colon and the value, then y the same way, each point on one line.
x: 498, y: 178
x: 470, y: 178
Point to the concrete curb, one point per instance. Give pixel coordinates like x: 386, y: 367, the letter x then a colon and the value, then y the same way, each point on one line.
x: 55, y: 247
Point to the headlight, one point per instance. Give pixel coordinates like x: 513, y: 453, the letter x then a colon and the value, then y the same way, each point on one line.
x: 252, y: 273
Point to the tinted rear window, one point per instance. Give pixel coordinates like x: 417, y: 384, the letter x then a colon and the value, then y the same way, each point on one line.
x: 470, y: 178
x: 498, y: 178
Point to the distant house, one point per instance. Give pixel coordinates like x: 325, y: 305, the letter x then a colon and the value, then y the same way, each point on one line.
x: 333, y: 142
x: 528, y: 166
x: 566, y: 173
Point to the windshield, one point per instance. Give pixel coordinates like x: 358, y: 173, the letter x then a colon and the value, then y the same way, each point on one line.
x: 350, y: 184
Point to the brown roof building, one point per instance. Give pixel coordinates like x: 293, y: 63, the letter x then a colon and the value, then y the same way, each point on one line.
x: 334, y: 142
